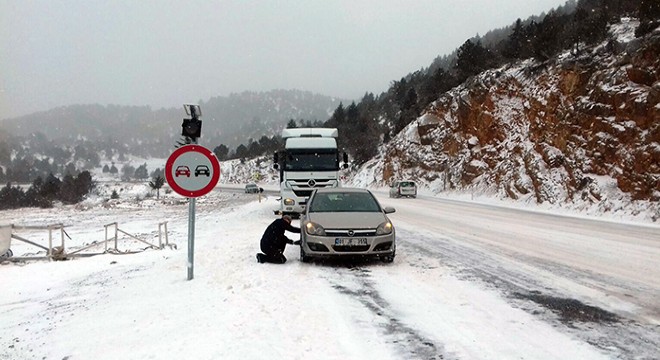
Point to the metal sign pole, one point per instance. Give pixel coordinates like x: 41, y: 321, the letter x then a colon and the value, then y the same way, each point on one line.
x: 191, y: 232
x: 191, y: 236
x: 178, y: 172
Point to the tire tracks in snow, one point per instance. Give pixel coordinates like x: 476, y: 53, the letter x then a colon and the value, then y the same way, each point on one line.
x: 411, y: 344
x: 533, y: 291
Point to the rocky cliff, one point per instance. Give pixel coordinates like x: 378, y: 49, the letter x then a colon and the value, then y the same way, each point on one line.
x: 581, y: 128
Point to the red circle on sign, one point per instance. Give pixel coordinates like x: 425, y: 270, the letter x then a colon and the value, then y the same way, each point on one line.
x: 187, y: 149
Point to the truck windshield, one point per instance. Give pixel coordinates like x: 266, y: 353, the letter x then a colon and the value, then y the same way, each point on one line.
x: 311, y: 160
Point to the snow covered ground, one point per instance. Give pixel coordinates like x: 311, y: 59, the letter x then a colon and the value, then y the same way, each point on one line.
x: 455, y: 293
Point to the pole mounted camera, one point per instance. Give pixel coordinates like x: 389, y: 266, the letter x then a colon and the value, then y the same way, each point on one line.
x: 192, y: 127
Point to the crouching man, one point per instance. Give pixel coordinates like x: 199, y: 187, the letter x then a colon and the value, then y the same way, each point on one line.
x: 273, y: 242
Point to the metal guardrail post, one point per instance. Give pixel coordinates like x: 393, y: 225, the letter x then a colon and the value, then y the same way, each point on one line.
x: 106, y: 235
x: 50, y: 241
x: 160, y: 241
x: 160, y: 235
x: 105, y: 241
x: 116, y: 236
x: 167, y: 237
x: 62, y: 236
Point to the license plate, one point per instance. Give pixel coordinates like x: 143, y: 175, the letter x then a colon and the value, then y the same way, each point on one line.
x: 351, y: 241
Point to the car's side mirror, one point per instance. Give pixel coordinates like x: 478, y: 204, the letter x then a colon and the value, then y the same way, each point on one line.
x: 389, y: 210
x: 261, y: 189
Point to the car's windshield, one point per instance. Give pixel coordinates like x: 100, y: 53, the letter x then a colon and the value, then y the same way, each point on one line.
x: 344, y: 202
x: 407, y: 184
x: 306, y: 160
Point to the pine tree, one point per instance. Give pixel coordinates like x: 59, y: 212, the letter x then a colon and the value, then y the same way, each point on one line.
x: 291, y: 124
x: 221, y: 151
x: 471, y: 59
x: 127, y: 172
x: 11, y: 197
x: 338, y: 117
x: 141, y: 172
x: 515, y: 43
x: 51, y: 187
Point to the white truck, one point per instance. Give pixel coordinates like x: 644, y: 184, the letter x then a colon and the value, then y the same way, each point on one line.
x: 310, y: 160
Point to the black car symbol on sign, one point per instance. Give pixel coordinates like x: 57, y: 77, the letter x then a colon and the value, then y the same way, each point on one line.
x: 182, y: 171
x: 202, y: 169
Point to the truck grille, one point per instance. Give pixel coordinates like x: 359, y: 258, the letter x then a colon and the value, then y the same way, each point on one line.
x: 302, y: 188
x: 302, y: 193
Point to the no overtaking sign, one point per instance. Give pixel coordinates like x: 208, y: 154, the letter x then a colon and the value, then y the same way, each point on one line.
x: 192, y: 171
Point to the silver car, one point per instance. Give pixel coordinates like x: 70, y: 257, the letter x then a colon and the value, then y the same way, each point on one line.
x: 251, y: 189
x: 346, y: 222
x: 405, y: 188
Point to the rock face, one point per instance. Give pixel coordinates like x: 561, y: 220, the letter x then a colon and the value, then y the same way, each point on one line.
x: 574, y: 129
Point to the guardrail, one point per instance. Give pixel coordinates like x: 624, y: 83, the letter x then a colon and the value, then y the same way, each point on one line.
x: 60, y: 252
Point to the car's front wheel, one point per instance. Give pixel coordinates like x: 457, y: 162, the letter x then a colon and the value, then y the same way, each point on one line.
x: 389, y: 258
x: 303, y: 257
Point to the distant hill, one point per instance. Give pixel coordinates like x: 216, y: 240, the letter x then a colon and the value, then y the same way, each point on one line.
x: 230, y: 120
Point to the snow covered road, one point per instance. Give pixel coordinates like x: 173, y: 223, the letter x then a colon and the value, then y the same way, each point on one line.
x: 470, y: 281
x: 594, y: 277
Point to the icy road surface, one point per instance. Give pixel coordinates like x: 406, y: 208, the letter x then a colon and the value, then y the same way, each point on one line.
x: 470, y: 281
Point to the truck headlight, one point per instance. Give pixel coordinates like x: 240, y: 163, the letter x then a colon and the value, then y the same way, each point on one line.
x: 289, y: 202
x: 384, y: 228
x: 314, y: 229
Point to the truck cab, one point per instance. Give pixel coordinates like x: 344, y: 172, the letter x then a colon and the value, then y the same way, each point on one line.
x: 310, y: 160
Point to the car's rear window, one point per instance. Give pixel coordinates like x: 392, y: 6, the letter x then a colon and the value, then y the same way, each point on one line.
x: 407, y: 184
x: 344, y: 202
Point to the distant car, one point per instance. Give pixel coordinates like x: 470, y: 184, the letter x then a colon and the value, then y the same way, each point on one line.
x: 405, y: 188
x: 182, y: 171
x: 202, y: 170
x: 345, y: 222
x: 251, y: 189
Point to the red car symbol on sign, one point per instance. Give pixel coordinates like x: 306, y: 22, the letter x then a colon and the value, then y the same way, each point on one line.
x: 182, y: 171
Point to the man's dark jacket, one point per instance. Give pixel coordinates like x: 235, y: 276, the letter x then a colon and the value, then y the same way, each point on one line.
x: 274, y: 241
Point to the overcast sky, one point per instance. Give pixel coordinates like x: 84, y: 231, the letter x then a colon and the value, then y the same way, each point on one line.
x: 166, y: 53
